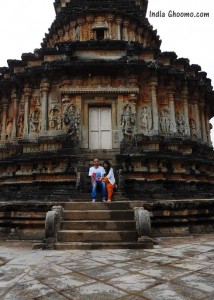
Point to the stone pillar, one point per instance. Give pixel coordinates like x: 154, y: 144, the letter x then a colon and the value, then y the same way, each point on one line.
x: 72, y: 31
x: 80, y: 22
x: 197, y: 119
x: 44, y: 88
x: 90, y: 20
x: 125, y: 30
x: 186, y: 110
x: 27, y: 95
x: 15, y: 112
x: 110, y: 19
x: 4, y: 118
x: 203, y: 124
x: 153, y: 93
x: 119, y: 21
x: 207, y: 122
x: 133, y: 27
x: 171, y: 94
x: 140, y: 31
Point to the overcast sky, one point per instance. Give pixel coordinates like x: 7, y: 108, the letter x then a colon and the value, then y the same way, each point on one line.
x: 23, y: 24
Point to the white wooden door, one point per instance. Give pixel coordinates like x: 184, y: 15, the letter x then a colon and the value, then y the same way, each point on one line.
x: 100, y: 131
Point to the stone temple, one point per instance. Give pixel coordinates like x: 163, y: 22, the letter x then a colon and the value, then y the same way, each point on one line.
x: 100, y: 86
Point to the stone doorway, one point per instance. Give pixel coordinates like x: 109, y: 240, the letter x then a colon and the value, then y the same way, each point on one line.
x: 100, y: 128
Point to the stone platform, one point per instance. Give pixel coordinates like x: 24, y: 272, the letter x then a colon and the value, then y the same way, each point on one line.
x: 177, y: 268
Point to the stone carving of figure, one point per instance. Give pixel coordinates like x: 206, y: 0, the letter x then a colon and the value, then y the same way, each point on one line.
x: 146, y: 119
x: 128, y: 119
x: 193, y: 131
x: 72, y: 120
x: 9, y: 128
x: 77, y: 33
x: 20, y: 125
x: 55, y: 120
x: 164, y: 120
x: 181, y: 124
x: 34, y: 121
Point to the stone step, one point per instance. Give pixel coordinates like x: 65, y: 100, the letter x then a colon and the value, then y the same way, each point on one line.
x: 98, y: 214
x: 96, y: 236
x: 97, y: 206
x: 103, y: 245
x: 99, y: 225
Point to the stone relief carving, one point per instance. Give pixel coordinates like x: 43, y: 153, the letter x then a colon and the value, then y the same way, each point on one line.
x: 9, y: 128
x: 72, y: 120
x: 35, y: 121
x: 20, y: 125
x: 55, y: 120
x: 128, y: 119
x: 77, y: 33
x: 193, y: 130
x: 181, y: 124
x: 146, y: 119
x: 164, y: 120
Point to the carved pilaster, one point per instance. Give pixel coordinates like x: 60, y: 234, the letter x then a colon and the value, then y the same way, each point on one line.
x: 80, y: 22
x: 153, y: 92
x: 140, y: 31
x: 171, y: 96
x: 208, y: 127
x: 15, y: 100
x: 125, y: 30
x: 197, y: 119
x: 203, y: 124
x: 119, y: 21
x: 4, y: 118
x: 44, y: 88
x: 27, y: 95
x: 186, y: 110
x: 110, y: 19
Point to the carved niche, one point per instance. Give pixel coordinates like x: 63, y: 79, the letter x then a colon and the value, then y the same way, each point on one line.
x: 55, y: 119
x: 181, y: 124
x: 35, y: 121
x: 72, y: 120
x: 164, y: 120
x: 145, y: 120
x: 128, y: 119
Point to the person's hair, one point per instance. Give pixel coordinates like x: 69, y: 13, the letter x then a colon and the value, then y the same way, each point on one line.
x: 108, y: 166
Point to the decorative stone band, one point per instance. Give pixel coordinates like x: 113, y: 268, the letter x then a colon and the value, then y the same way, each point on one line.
x: 95, y: 90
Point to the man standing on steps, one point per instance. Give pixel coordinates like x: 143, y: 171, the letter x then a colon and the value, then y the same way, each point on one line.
x: 97, y: 174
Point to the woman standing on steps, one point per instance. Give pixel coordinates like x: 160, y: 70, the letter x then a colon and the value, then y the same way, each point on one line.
x: 109, y: 179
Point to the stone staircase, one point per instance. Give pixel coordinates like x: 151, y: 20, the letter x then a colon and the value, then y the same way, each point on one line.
x: 87, y: 225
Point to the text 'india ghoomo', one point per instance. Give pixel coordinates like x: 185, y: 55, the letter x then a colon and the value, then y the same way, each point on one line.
x: 175, y: 14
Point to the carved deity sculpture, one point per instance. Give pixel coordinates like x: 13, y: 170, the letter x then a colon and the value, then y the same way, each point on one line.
x: 72, y: 120
x: 146, y: 119
x: 77, y: 33
x: 193, y: 130
x: 128, y: 119
x: 181, y: 124
x: 9, y: 128
x: 55, y: 120
x: 20, y: 125
x: 164, y: 121
x: 35, y: 121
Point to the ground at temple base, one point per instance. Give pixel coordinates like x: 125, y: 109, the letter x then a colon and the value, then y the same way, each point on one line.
x: 177, y: 268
